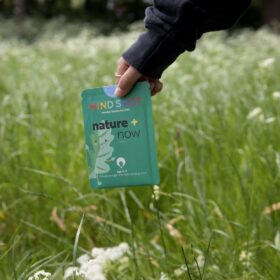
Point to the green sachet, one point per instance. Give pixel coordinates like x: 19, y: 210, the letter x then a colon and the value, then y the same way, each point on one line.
x: 119, y: 134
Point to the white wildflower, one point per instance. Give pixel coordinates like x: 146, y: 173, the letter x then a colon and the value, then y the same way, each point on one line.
x: 95, y: 276
x: 270, y: 120
x: 92, y: 267
x: 118, y: 252
x: 101, y: 260
x: 215, y: 267
x: 83, y: 259
x: 40, y: 275
x: 72, y: 271
x: 254, y: 113
x: 276, y: 95
x: 97, y: 252
x: 200, y: 261
x: 245, y: 258
x: 267, y: 62
x: 124, y: 247
x: 163, y: 276
x: 180, y: 271
x: 156, y: 192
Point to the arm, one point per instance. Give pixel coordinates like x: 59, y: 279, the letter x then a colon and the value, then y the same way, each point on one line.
x: 174, y: 26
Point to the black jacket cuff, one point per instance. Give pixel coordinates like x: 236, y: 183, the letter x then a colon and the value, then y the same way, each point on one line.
x: 152, y: 53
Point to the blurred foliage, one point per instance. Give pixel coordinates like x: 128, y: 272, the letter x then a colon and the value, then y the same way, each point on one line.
x: 117, y: 13
x: 127, y: 10
x: 217, y: 131
x: 254, y: 15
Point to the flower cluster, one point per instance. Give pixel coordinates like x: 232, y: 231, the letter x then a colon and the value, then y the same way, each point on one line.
x: 40, y: 275
x: 156, y: 192
x: 91, y: 267
x: 245, y: 258
x: 268, y: 62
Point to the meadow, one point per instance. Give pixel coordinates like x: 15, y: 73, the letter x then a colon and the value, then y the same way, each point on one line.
x: 215, y: 214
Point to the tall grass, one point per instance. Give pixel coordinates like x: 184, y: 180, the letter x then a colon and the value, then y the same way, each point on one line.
x: 218, y: 140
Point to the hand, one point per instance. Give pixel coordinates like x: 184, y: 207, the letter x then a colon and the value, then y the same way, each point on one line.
x: 127, y: 76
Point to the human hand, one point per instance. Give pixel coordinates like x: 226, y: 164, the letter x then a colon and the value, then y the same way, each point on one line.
x: 126, y: 76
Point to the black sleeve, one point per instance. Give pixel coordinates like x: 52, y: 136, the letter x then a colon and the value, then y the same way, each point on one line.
x: 174, y: 26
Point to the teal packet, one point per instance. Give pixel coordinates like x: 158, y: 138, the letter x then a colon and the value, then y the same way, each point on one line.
x: 119, y: 135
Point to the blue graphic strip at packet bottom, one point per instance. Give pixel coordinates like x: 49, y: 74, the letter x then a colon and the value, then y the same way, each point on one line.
x: 119, y: 135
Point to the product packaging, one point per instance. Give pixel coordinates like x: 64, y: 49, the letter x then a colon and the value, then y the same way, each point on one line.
x: 119, y: 135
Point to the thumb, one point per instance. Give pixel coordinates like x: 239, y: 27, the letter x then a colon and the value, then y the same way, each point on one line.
x: 127, y: 81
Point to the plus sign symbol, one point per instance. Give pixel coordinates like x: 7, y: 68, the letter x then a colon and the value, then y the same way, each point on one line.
x: 134, y: 122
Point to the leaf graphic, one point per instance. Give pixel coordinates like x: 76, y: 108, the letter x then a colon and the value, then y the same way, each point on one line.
x: 100, y: 153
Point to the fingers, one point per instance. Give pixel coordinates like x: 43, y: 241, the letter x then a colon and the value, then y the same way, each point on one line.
x: 157, y: 87
x: 121, y: 69
x: 126, y: 81
x: 126, y: 76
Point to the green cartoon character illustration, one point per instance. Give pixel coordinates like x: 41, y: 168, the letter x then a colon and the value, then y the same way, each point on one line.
x: 100, y: 153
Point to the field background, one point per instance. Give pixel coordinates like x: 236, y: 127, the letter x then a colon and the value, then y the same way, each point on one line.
x: 217, y: 125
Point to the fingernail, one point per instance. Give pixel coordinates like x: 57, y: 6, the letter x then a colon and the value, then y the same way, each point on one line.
x: 158, y: 87
x: 119, y: 92
x: 152, y: 86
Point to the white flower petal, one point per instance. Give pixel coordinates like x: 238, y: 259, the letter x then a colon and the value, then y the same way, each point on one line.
x: 270, y: 120
x: 267, y: 62
x: 70, y: 271
x: 97, y: 251
x: 83, y: 259
x: 276, y: 95
x: 254, y: 113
